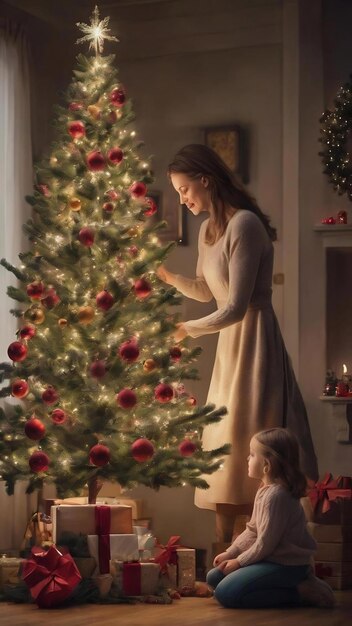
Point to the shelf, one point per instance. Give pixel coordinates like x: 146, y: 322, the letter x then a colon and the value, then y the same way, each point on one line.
x: 332, y: 228
x: 341, y: 409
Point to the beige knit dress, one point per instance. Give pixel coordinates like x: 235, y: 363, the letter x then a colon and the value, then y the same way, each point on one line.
x: 252, y: 373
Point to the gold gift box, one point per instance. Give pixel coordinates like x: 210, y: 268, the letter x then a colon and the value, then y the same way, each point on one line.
x: 80, y: 519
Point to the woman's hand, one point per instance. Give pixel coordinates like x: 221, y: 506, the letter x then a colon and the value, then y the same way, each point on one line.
x: 229, y: 566
x: 223, y: 556
x: 163, y: 274
x: 180, y: 332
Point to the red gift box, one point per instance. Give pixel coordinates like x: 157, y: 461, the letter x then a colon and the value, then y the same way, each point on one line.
x: 50, y: 576
x: 331, y: 500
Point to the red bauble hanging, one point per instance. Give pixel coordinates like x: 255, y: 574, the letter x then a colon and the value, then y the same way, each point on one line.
x: 76, y: 129
x: 134, y: 251
x: 38, y: 462
x: 19, y: 388
x: 17, y: 351
x: 129, y: 351
x: 50, y: 395
x: 51, y: 299
x: 117, y: 97
x: 163, y: 392
x: 95, y: 161
x: 126, y: 398
x: 34, y: 429
x: 99, y: 455
x: 108, y: 207
x: 44, y: 189
x: 175, y: 353
x: 187, y: 447
x: 27, y: 332
x: 151, y: 207
x: 104, y: 300
x: 75, y: 106
x: 115, y: 155
x: 36, y: 290
x: 142, y: 288
x: 86, y: 236
x: 98, y: 369
x: 58, y: 416
x: 138, y: 190
x: 142, y: 450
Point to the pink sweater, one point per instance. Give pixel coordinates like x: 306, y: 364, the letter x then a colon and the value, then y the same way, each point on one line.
x: 276, y: 532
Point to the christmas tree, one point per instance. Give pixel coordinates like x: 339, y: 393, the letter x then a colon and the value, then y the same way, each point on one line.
x: 94, y: 363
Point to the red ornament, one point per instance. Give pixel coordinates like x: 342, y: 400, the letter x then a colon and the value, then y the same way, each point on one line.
x: 50, y: 395
x: 75, y: 106
x: 58, y: 416
x: 129, y: 351
x: 328, y: 220
x: 99, y: 455
x: 175, y: 353
x: 86, y: 236
x: 134, y: 251
x: 191, y: 400
x: 108, y: 207
x: 35, y: 290
x: 38, y: 462
x: 118, y: 97
x: 163, y: 392
x: 51, y: 299
x: 104, y: 300
x: 44, y: 189
x: 138, y: 190
x: 342, y: 389
x: 19, y: 388
x: 142, y: 288
x: 27, y: 332
x: 187, y: 447
x: 34, y: 429
x: 142, y: 450
x: 342, y: 217
x: 98, y: 369
x: 17, y: 351
x: 115, y: 155
x: 95, y: 161
x: 112, y: 194
x: 76, y: 129
x: 126, y: 398
x: 151, y: 207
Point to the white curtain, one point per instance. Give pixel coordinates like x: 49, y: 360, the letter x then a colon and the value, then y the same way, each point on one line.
x: 15, y: 183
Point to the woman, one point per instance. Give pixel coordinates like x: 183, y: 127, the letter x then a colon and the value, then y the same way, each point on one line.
x: 252, y: 372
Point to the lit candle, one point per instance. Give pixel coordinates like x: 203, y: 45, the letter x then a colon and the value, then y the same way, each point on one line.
x: 346, y: 378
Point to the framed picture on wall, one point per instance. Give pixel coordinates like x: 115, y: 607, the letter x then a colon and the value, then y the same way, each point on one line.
x: 174, y: 215
x: 228, y: 143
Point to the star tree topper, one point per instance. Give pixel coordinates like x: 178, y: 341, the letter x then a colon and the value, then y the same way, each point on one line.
x: 95, y: 32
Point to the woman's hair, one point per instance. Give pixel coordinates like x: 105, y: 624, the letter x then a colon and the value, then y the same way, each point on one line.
x: 227, y: 194
x: 281, y: 448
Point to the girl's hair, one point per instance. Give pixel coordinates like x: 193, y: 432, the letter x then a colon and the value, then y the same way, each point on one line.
x: 281, y: 448
x: 227, y: 194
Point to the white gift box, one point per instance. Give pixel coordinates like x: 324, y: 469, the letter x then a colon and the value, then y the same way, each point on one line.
x: 122, y: 548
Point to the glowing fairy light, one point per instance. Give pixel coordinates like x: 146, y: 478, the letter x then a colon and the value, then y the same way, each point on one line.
x: 95, y: 32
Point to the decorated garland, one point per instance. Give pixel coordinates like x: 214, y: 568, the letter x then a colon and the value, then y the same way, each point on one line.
x: 335, y: 128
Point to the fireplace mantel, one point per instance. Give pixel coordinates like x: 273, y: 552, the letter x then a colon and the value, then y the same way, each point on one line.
x: 335, y: 235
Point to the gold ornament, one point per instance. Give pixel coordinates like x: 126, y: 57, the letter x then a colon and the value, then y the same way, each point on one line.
x: 133, y: 231
x: 75, y: 204
x: 86, y: 315
x: 37, y: 315
x: 94, y: 111
x: 62, y: 322
x: 149, y: 365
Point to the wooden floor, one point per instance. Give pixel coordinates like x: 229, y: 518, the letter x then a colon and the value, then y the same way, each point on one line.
x: 184, y: 612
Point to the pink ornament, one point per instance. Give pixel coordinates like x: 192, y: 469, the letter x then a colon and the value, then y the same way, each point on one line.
x: 134, y: 251
x: 115, y: 155
x: 191, y: 400
x: 118, y: 97
x: 75, y: 106
x: 58, y: 416
x: 112, y: 194
x: 19, y: 388
x: 44, y: 189
x: 35, y: 290
x: 51, y: 299
x: 142, y: 288
x: 129, y: 351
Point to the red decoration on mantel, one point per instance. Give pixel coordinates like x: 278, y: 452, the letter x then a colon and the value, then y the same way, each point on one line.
x: 328, y: 220
x: 342, y: 217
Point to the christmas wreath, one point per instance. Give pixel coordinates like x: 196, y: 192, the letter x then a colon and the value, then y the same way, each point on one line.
x: 335, y: 128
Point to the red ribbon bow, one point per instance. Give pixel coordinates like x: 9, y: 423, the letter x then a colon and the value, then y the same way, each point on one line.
x: 102, y: 529
x: 50, y: 576
x: 328, y: 490
x: 168, y: 553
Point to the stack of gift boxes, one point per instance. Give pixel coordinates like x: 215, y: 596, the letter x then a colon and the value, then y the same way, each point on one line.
x: 328, y: 509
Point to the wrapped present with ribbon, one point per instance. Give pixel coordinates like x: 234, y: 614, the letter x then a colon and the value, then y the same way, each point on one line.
x: 105, y: 547
x: 81, y: 519
x: 330, y: 501
x: 177, y: 564
x: 136, y: 579
x: 51, y: 576
x: 9, y: 571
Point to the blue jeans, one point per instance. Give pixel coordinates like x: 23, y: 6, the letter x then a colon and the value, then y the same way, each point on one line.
x: 261, y: 585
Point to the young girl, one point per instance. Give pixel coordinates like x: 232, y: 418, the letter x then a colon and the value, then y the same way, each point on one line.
x: 268, y: 565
